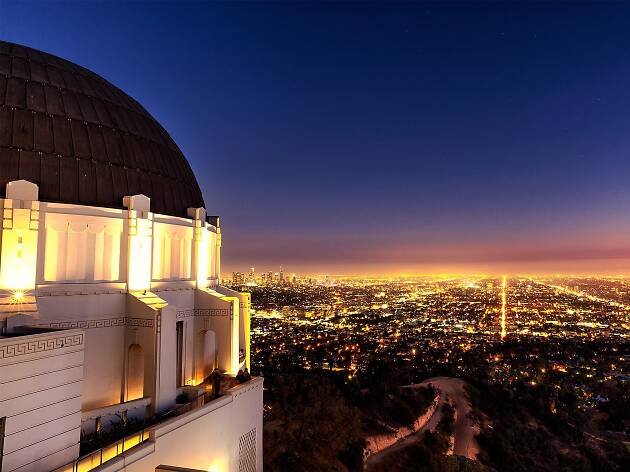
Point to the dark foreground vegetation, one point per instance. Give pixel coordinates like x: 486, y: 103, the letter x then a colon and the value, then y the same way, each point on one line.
x: 535, y: 428
x: 317, y: 420
x: 310, y: 425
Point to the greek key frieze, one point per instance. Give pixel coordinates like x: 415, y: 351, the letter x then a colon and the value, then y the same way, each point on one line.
x: 83, y: 324
x: 40, y: 345
x: 181, y: 314
x: 141, y: 322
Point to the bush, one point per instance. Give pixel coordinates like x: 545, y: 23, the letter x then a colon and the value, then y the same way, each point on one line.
x: 310, y: 426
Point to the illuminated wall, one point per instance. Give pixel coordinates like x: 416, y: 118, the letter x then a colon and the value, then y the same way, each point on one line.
x: 139, y: 251
x: 223, y: 436
x: 42, y: 408
x: 82, y: 248
x: 20, y: 229
x: 135, y: 372
x: 172, y: 251
x: 125, y: 279
x: 212, y: 255
x: 202, y: 248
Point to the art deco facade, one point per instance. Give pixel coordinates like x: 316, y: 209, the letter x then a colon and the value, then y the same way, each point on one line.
x: 112, y: 318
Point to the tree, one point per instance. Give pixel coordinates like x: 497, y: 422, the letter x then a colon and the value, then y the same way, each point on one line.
x: 311, y: 427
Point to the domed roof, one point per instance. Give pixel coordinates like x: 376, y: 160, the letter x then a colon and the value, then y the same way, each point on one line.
x: 83, y: 140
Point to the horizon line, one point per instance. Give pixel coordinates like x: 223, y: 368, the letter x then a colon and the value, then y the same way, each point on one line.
x: 456, y: 274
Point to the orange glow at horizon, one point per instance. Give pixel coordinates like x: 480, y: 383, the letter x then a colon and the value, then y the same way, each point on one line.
x: 600, y: 268
x: 503, y: 307
x: 358, y: 256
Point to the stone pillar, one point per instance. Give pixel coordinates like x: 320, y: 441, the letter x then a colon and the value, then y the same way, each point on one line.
x: 20, y: 229
x: 139, y: 242
x: 201, y: 246
x: 218, y: 252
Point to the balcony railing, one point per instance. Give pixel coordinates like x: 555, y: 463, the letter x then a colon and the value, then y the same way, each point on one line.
x: 100, y: 456
x: 198, y: 402
x: 104, y: 454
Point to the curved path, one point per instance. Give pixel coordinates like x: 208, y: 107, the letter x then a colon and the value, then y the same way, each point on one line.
x: 464, y: 438
x: 450, y: 390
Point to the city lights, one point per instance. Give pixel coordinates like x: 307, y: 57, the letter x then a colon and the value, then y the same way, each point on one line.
x: 342, y: 324
x: 503, y: 307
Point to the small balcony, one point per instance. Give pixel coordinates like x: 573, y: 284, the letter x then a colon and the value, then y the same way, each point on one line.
x: 130, y: 442
x: 97, y: 458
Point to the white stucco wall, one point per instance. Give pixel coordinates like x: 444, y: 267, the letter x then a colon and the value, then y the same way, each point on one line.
x: 41, y: 380
x: 102, y: 316
x: 207, y: 437
x: 87, y: 271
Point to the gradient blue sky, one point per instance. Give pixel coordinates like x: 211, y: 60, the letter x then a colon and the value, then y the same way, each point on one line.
x: 367, y: 138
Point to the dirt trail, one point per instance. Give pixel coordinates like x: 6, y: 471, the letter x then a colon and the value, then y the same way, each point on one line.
x: 464, y: 444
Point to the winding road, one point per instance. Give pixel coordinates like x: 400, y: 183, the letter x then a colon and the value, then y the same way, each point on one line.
x: 450, y: 390
x: 464, y: 443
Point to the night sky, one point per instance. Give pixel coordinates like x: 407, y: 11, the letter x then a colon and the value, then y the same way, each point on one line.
x: 381, y: 138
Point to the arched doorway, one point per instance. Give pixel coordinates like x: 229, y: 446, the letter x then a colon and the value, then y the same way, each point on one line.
x: 209, y: 352
x: 135, y: 372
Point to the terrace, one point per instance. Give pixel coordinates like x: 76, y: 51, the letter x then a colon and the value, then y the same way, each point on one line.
x: 139, y: 443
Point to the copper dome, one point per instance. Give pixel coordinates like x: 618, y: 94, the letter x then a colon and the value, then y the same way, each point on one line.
x: 83, y: 140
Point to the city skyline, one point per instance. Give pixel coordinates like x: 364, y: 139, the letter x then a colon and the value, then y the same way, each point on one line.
x: 463, y: 272
x: 410, y: 139
x: 556, y: 347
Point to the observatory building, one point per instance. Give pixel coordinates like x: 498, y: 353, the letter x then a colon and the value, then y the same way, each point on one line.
x: 119, y: 348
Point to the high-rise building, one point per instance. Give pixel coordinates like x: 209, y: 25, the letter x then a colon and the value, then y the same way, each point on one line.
x: 110, y: 303
x: 238, y: 278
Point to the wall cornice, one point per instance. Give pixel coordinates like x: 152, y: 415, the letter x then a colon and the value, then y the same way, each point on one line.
x: 33, y: 344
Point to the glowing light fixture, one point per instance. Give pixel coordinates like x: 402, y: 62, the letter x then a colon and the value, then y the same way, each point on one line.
x: 140, y: 235
x: 18, y: 250
x: 18, y: 295
x: 202, y: 242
